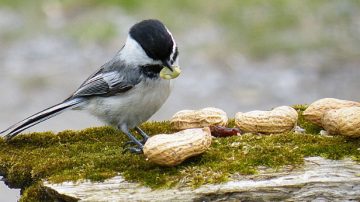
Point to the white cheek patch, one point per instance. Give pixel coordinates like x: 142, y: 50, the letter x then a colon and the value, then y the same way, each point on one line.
x: 133, y: 54
x: 174, y: 46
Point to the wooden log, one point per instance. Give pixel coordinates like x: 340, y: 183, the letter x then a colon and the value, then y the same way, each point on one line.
x: 319, y: 179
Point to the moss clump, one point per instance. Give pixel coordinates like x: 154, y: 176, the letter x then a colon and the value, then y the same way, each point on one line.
x: 97, y: 154
x: 308, y: 126
x: 36, y: 192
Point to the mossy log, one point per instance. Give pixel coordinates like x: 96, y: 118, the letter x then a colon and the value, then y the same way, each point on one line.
x: 250, y: 167
x: 319, y: 179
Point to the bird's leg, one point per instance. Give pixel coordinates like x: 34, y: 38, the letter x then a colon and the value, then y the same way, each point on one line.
x: 143, y: 134
x: 139, y: 148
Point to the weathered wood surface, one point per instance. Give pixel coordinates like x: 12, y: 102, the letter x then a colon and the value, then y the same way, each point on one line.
x: 320, y: 180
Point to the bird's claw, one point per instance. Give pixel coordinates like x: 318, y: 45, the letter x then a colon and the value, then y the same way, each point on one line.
x: 133, y: 150
x: 137, y: 149
x: 143, y: 141
x: 137, y: 145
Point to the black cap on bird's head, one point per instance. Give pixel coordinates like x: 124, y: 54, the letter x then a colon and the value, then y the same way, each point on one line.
x: 156, y: 40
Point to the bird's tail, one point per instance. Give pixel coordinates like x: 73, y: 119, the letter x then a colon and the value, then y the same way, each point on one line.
x: 39, y: 117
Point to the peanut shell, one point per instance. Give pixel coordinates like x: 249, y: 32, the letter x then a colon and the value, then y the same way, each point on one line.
x: 199, y: 118
x: 172, y: 149
x: 278, y: 120
x: 315, y: 112
x: 344, y: 121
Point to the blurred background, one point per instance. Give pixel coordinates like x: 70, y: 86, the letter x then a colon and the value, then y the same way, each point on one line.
x: 235, y: 55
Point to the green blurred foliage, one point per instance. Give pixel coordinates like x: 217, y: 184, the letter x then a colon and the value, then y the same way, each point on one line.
x: 87, y: 31
x: 258, y: 28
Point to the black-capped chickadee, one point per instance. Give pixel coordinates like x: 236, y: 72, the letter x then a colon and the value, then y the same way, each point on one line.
x: 127, y: 90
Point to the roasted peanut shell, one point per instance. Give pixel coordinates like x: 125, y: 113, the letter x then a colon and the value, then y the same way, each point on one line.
x: 278, y: 120
x: 315, y: 112
x: 344, y: 121
x: 199, y: 118
x: 172, y: 149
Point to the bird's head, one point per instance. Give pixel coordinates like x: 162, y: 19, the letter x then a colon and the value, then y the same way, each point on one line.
x: 151, y: 45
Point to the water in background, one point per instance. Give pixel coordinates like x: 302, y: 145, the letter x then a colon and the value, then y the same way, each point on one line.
x: 237, y: 57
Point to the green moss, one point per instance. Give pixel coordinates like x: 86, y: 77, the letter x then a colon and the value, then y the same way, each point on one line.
x: 35, y: 192
x: 308, y: 126
x: 97, y: 154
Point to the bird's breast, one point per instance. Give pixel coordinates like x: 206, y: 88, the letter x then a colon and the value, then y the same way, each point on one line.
x: 134, y: 106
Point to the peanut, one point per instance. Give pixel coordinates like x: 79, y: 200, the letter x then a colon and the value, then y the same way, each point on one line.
x: 198, y: 118
x: 172, y: 149
x: 278, y: 120
x: 315, y: 112
x: 344, y: 121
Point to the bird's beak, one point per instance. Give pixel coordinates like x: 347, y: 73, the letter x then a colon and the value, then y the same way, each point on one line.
x: 169, y: 72
x: 167, y: 64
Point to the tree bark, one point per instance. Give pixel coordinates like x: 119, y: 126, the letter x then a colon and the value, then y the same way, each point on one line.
x: 319, y: 179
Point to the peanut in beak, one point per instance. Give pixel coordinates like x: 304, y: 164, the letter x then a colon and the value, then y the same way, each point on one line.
x: 167, y: 74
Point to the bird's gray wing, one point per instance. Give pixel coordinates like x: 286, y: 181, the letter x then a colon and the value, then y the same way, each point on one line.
x: 108, y: 81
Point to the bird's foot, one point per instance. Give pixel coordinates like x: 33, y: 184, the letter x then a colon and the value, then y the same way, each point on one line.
x: 138, y: 145
x: 133, y: 150
x: 133, y: 147
x: 130, y: 142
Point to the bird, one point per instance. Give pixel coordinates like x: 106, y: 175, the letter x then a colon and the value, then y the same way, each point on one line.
x: 128, y: 89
